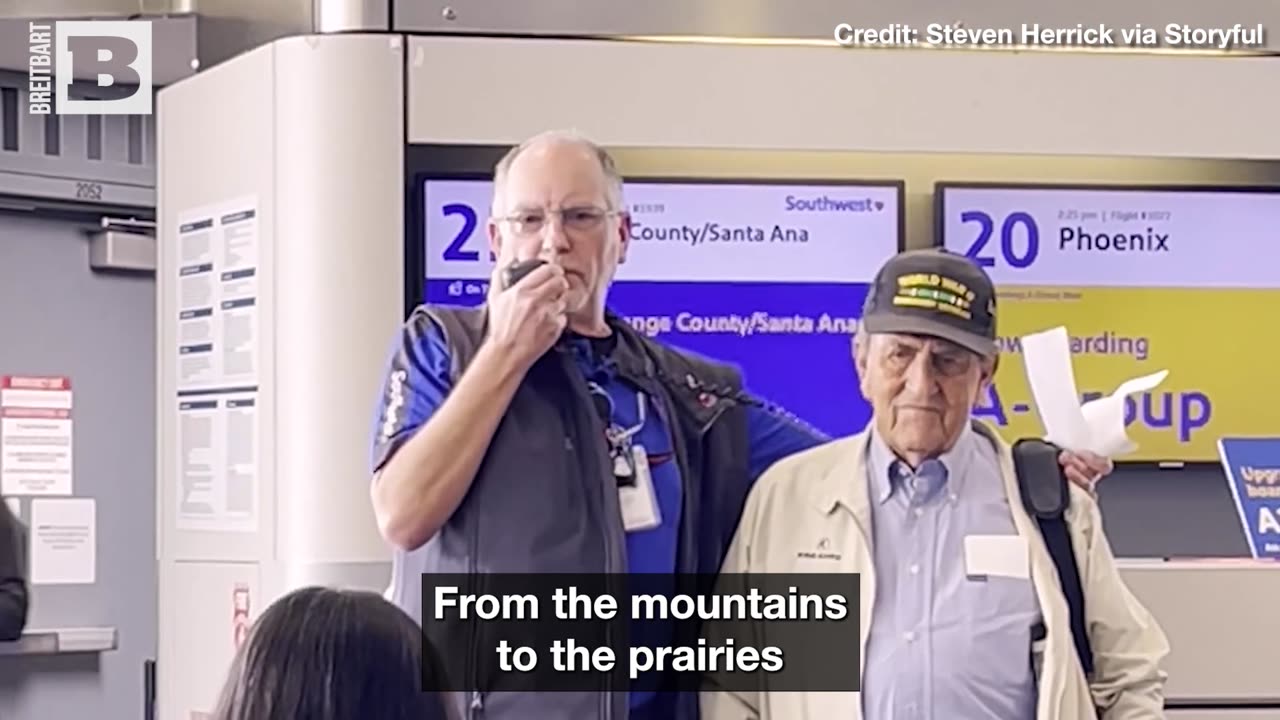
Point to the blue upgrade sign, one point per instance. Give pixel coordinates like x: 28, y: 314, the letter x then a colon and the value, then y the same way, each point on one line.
x: 1253, y: 469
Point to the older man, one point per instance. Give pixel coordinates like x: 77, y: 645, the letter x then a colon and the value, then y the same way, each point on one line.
x: 920, y: 504
x: 540, y: 434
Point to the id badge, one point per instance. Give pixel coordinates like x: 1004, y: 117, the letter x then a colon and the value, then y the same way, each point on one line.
x: 638, y: 500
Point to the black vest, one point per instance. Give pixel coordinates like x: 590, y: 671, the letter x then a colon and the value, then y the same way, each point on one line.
x: 544, y: 499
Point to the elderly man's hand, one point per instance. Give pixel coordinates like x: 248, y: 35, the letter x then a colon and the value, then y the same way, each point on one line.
x: 1085, y: 468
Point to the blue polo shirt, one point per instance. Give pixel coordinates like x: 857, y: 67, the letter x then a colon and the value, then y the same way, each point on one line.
x: 425, y: 381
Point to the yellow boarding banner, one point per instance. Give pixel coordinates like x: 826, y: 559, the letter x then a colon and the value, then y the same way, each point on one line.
x: 1220, y: 347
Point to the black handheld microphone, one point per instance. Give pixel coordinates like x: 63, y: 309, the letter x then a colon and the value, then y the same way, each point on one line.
x: 518, y: 269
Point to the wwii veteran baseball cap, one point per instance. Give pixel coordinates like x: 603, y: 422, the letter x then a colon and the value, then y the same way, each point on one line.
x: 936, y: 293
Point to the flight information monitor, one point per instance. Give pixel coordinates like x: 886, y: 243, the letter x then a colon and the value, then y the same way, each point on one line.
x: 1143, y: 279
x: 769, y: 276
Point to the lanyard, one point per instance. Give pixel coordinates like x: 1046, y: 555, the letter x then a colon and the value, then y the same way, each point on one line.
x: 620, y: 437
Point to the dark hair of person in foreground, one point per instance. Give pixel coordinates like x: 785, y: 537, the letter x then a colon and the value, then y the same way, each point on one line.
x: 324, y: 654
x: 13, y: 575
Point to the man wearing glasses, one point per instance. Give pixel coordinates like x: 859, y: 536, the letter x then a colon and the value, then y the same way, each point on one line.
x: 539, y: 433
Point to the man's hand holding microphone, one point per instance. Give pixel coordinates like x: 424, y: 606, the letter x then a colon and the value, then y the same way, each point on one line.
x: 527, y: 309
x: 419, y: 489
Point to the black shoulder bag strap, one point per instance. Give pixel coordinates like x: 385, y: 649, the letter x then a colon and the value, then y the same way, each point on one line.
x: 1046, y: 496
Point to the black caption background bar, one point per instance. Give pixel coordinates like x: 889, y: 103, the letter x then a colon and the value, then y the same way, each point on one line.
x: 818, y: 654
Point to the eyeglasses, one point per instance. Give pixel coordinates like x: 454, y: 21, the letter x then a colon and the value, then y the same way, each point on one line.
x: 575, y: 219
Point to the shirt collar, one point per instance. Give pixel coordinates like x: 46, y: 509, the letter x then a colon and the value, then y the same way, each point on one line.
x: 888, y: 474
x: 593, y: 355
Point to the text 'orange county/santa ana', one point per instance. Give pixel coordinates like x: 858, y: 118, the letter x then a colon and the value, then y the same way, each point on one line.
x: 714, y: 232
x: 756, y: 323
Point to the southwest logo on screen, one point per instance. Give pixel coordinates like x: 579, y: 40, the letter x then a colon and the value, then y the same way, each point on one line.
x: 1261, y: 482
x: 823, y: 203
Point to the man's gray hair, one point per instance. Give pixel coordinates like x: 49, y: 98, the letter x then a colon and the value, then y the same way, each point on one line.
x: 610, y: 168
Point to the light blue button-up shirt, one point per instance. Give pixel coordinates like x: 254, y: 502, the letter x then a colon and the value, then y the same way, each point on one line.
x: 942, y: 645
